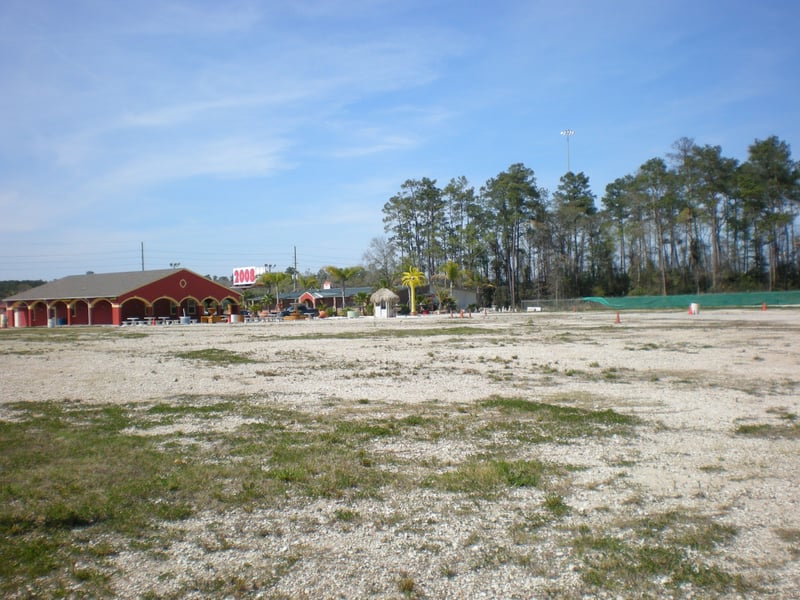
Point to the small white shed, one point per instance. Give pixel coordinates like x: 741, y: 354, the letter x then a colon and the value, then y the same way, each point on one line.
x: 384, y: 300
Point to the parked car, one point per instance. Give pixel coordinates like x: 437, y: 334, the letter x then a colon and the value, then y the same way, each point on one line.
x: 300, y: 308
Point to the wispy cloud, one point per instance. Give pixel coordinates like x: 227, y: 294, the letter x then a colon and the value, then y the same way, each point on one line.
x: 221, y: 158
x: 134, y: 104
x: 177, y: 114
x: 380, y: 143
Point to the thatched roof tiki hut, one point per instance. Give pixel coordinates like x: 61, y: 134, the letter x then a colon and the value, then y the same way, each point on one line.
x: 384, y: 301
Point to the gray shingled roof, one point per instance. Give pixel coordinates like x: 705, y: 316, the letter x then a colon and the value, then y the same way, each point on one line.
x: 96, y: 285
x: 335, y: 292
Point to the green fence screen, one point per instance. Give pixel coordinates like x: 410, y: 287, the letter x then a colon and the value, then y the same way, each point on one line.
x: 704, y: 300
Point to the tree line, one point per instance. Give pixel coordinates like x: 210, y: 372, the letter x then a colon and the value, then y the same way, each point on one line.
x: 11, y: 287
x: 693, y: 221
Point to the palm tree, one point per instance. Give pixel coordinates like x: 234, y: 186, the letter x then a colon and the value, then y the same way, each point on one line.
x: 451, y: 272
x: 412, y: 279
x: 277, y: 279
x: 266, y: 300
x: 307, y: 282
x: 361, y: 299
x: 343, y: 274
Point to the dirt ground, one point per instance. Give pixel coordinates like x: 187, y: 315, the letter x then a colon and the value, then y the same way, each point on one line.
x: 718, y: 396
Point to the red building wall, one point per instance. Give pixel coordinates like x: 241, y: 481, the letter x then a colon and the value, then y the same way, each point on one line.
x: 180, y: 287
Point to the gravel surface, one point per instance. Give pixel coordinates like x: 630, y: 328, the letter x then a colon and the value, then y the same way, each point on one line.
x: 692, y: 380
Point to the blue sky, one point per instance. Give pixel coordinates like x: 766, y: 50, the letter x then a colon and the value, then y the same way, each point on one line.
x: 227, y: 134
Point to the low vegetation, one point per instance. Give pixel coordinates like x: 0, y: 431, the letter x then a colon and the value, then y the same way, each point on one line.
x: 533, y: 421
x: 451, y: 330
x: 79, y: 484
x: 787, y: 426
x: 215, y: 356
x: 67, y: 335
x: 656, y: 551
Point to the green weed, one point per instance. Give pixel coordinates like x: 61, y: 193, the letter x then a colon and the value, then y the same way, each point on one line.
x: 537, y: 421
x: 216, y: 356
x: 655, y: 550
x: 486, y: 477
x: 790, y: 430
x: 452, y: 330
x: 406, y: 585
x: 556, y: 505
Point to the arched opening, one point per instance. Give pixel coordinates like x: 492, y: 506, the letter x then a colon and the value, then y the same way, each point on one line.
x: 79, y: 313
x: 135, y: 308
x: 38, y: 314
x: 165, y: 308
x: 190, y: 307
x: 102, y: 313
x: 59, y: 311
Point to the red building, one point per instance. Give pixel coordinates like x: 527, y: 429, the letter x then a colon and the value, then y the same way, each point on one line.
x: 111, y: 298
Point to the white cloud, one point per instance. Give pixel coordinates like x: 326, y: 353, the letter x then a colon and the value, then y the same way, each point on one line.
x: 382, y: 143
x: 223, y: 158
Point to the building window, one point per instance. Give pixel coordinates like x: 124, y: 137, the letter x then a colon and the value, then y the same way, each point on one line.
x: 191, y: 306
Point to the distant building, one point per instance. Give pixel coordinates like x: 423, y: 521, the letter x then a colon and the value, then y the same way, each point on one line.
x: 111, y: 298
x: 329, y: 298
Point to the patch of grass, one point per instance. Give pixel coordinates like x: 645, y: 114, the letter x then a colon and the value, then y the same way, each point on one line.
x: 537, y: 421
x: 69, y: 335
x: 789, y: 430
x: 573, y: 372
x: 70, y: 472
x: 487, y: 477
x: 782, y: 413
x: 191, y: 409
x: 792, y: 538
x: 346, y: 515
x: 712, y: 468
x: 320, y: 470
x: 64, y: 470
x: 453, y: 330
x: 22, y: 352
x: 406, y: 585
x: 448, y: 571
x: 656, y: 550
x: 526, y: 532
x: 358, y: 431
x: 414, y: 421
x: 217, y: 356
x: 556, y: 505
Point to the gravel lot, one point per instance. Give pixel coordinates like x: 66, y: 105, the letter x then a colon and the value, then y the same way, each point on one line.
x: 696, y: 382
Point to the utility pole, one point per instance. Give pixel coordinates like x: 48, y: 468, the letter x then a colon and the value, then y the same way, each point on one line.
x: 294, y: 275
x: 567, y: 133
x: 142, y: 256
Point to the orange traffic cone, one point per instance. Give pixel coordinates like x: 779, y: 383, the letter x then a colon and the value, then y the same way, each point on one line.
x: 763, y: 306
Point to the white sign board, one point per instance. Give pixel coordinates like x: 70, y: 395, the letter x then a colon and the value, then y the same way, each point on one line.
x: 245, y: 276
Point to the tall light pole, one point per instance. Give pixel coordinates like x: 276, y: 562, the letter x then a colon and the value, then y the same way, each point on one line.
x: 567, y: 133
